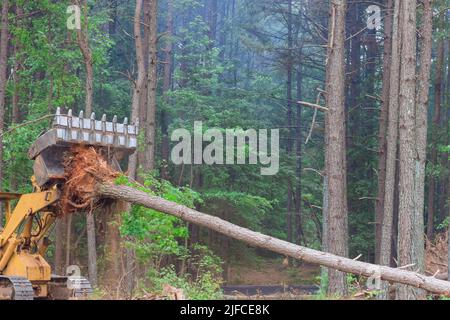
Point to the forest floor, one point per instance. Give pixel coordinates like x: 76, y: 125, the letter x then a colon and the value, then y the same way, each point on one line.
x: 273, y: 272
x: 271, y: 279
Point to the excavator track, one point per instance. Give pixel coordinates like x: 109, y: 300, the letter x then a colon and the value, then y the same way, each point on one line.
x: 69, y: 288
x: 15, y: 288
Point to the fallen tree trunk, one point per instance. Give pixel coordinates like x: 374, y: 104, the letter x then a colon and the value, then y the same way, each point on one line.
x: 132, y: 195
x: 89, y: 180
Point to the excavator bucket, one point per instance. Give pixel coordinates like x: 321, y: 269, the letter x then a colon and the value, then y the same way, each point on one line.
x: 118, y: 139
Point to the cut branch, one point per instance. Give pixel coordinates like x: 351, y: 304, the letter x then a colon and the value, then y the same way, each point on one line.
x: 313, y: 105
x: 27, y: 123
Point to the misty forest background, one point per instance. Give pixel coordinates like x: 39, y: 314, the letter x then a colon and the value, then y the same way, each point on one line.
x: 231, y: 64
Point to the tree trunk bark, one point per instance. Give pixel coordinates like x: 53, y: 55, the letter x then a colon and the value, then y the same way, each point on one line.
x: 4, y: 36
x: 434, y: 136
x: 335, y: 156
x: 391, y: 147
x: 149, y: 126
x: 259, y: 240
x: 410, y: 231
x: 289, y: 202
x: 15, y: 114
x: 139, y: 85
x: 138, y: 96
x: 68, y: 243
x: 422, y: 113
x: 448, y: 230
x: 60, y: 240
x: 448, y: 143
x: 113, y: 250
x: 323, y: 270
x: 167, y: 81
x: 143, y: 99
x: 299, y: 142
x: 83, y: 43
x: 382, y: 130
x: 92, y: 249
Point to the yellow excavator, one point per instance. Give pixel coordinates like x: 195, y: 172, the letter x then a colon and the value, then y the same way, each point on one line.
x: 24, y: 235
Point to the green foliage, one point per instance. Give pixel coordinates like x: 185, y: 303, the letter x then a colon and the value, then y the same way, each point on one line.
x: 251, y: 209
x: 444, y: 224
x: 203, y: 284
x: 154, y: 236
x: 19, y: 166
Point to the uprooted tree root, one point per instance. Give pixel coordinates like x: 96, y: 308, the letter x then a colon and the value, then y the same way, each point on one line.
x: 84, y: 168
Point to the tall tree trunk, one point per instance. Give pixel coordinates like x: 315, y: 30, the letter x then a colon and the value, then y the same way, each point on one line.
x: 298, y: 139
x: 15, y: 114
x: 149, y: 139
x: 83, y: 43
x: 139, y: 85
x: 113, y: 252
x: 290, y: 206
x: 434, y: 136
x: 448, y: 142
x: 410, y: 248
x: 4, y: 36
x: 354, y: 80
x: 92, y: 249
x: 391, y: 146
x: 143, y: 99
x: 422, y: 114
x: 446, y: 155
x: 117, y: 259
x: 335, y: 156
x: 382, y: 130
x: 167, y: 81
x: 325, y: 217
x: 60, y: 245
x: 68, y: 243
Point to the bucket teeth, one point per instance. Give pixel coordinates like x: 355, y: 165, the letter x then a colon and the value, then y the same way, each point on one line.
x: 68, y: 129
